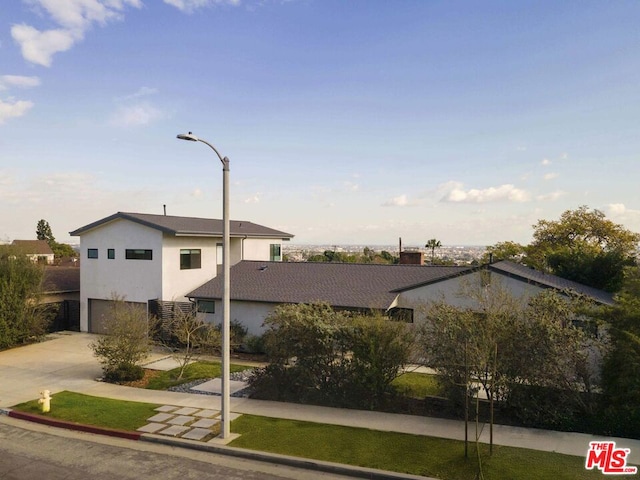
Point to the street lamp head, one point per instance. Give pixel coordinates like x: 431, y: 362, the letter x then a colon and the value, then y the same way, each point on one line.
x: 187, y: 136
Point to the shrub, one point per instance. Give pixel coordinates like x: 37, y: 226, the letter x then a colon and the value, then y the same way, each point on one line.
x: 126, y: 342
x: 124, y: 373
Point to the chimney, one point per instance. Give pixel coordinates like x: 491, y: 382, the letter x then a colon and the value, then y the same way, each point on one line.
x: 165, y: 209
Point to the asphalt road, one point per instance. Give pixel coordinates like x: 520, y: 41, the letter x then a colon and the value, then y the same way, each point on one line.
x: 30, y: 451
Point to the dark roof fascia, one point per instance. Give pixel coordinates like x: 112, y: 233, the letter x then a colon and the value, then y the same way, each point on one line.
x: 178, y: 233
x: 538, y: 283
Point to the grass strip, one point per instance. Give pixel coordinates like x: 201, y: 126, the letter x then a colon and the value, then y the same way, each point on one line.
x: 195, y: 371
x: 404, y: 453
x: 97, y: 411
x: 418, y: 385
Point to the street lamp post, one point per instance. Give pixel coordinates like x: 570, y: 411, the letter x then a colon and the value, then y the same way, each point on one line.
x: 226, y: 294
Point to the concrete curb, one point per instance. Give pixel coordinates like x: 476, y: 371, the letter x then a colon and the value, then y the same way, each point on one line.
x: 297, y: 462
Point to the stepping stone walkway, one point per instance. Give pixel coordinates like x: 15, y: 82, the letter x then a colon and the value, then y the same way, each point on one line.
x: 185, y: 422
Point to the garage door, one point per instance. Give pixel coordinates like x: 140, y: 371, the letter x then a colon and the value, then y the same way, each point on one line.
x: 101, y: 310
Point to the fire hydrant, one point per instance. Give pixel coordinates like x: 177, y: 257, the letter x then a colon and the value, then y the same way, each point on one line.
x: 45, y: 400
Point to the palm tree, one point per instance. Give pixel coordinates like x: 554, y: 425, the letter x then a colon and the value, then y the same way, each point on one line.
x: 433, y: 244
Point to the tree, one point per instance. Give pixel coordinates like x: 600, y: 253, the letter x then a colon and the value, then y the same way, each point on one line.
x: 585, y: 247
x: 320, y: 355
x: 432, y: 244
x: 521, y: 352
x: 188, y: 337
x: 126, y: 341
x: 22, y: 317
x: 43, y: 232
x: 504, y: 251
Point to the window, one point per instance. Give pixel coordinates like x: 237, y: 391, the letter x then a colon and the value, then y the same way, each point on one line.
x: 275, y: 252
x: 92, y: 253
x: 111, y: 253
x: 190, y: 258
x: 206, y: 306
x: 131, y: 254
x: 219, y: 252
x: 401, y: 314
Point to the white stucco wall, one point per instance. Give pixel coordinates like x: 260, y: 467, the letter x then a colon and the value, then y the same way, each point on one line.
x: 259, y: 248
x: 452, y: 292
x: 136, y: 280
x: 175, y: 282
x: 250, y: 314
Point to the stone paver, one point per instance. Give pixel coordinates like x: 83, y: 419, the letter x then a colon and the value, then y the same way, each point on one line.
x: 152, y: 427
x: 174, y: 430
x: 215, y: 386
x: 206, y: 413
x: 197, y: 433
x: 161, y: 417
x: 205, y: 423
x: 186, y: 411
x: 166, y: 408
x: 180, y: 420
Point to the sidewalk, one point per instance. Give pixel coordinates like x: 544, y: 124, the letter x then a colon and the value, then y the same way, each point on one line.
x: 65, y: 362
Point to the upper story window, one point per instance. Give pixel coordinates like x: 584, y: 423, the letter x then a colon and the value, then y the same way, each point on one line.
x: 111, y: 253
x: 190, y: 258
x: 139, y: 254
x: 92, y: 253
x: 275, y: 252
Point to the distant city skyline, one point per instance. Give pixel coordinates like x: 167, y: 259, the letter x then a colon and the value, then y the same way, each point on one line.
x: 345, y: 122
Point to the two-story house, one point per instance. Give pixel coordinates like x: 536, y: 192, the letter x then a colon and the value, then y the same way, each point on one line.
x: 147, y: 258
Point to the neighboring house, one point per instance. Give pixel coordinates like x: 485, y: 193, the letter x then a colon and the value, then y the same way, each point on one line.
x: 61, y: 287
x: 37, y: 250
x: 399, y: 290
x: 152, y: 259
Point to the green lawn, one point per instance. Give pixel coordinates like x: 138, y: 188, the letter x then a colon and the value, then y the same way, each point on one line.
x: 398, y: 452
x: 418, y: 385
x: 98, y: 411
x: 195, y: 371
x: 404, y: 453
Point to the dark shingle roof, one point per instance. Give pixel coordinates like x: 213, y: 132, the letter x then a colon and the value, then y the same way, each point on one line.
x: 530, y: 275
x: 339, y: 284
x: 188, y: 226
x: 61, y: 279
x: 33, y: 247
x: 359, y: 285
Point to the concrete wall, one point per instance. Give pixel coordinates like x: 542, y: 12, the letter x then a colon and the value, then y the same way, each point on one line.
x: 250, y: 314
x: 260, y: 248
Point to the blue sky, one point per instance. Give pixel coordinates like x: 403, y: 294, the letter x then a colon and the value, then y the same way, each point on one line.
x: 345, y: 121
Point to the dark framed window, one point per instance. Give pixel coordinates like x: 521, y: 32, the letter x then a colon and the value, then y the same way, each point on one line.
x: 190, y: 258
x: 138, y: 254
x: 111, y: 253
x: 206, y: 306
x: 92, y: 253
x: 275, y: 252
x: 401, y: 314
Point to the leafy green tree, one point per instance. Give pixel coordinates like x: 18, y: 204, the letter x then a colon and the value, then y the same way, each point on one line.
x: 505, y: 251
x: 320, y: 355
x: 43, y: 232
x: 432, y: 244
x: 22, y: 318
x: 519, y: 351
x: 585, y: 247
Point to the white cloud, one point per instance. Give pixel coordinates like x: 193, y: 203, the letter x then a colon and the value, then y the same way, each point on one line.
x: 19, y: 81
x: 550, y: 197
x: 136, y: 115
x: 74, y: 16
x: 455, y: 193
x: 196, y: 193
x: 399, y: 201
x: 253, y: 198
x: 12, y: 109
x: 545, y: 162
x: 350, y: 186
x: 39, y: 47
x: 616, y: 208
x: 191, y: 5
x: 142, y: 92
x: 550, y: 176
